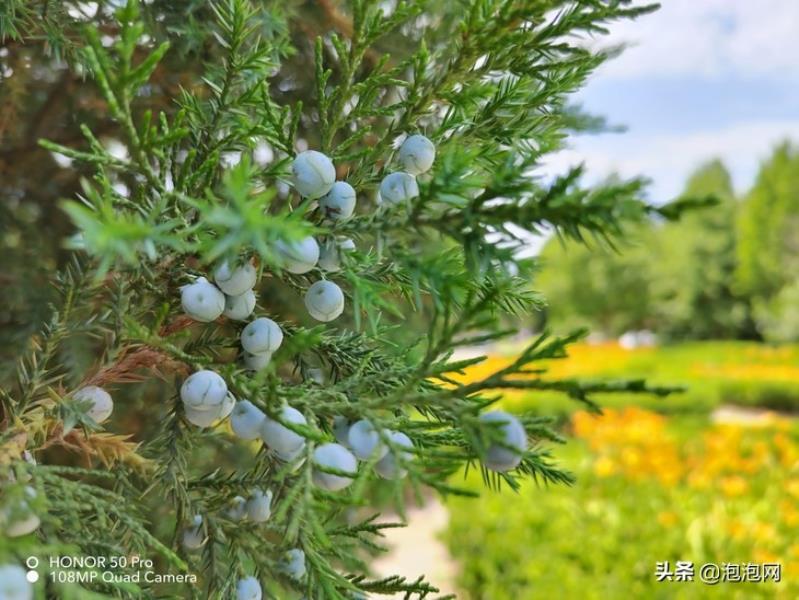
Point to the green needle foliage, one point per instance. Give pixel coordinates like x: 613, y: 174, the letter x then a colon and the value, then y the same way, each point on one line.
x: 210, y: 102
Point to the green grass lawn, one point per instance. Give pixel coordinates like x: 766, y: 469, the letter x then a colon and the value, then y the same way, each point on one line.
x: 683, y: 490
x: 712, y: 373
x: 651, y: 486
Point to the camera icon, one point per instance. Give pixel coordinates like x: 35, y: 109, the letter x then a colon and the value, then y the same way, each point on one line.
x: 32, y: 562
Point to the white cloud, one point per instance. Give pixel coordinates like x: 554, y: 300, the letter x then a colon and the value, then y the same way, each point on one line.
x: 668, y: 159
x: 685, y: 42
x: 709, y: 38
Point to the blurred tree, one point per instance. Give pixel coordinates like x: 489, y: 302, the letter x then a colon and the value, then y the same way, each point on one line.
x: 597, y: 286
x: 693, y: 266
x: 768, y: 251
x: 676, y: 279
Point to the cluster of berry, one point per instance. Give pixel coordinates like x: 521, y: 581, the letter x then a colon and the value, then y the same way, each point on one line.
x: 205, y: 394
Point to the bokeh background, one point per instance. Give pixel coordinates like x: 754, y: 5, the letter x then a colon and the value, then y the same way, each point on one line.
x: 707, y: 94
x: 704, y: 101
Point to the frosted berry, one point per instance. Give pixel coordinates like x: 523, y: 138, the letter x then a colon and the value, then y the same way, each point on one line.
x: 227, y: 406
x: 299, y: 256
x: 339, y: 202
x: 283, y: 441
x: 398, y: 187
x: 333, y: 456
x: 293, y: 563
x: 417, y: 154
x: 238, y: 509
x: 330, y: 253
x: 389, y: 467
x: 341, y: 430
x: 18, y: 519
x: 14, y: 584
x: 193, y: 536
x: 234, y: 282
x: 205, y: 418
x: 256, y: 362
x: 313, y: 174
x: 316, y: 375
x: 499, y: 457
x: 329, y: 259
x: 324, y: 301
x: 246, y: 420
x: 200, y: 418
x: 259, y: 506
x: 101, y: 403
x: 364, y: 440
x: 204, y: 391
x: 291, y: 457
x: 202, y: 300
x: 23, y: 526
x: 240, y: 307
x: 262, y: 335
x: 248, y: 589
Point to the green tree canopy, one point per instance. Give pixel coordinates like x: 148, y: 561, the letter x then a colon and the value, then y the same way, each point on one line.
x: 768, y: 251
x: 674, y: 278
x: 694, y: 263
x: 594, y: 285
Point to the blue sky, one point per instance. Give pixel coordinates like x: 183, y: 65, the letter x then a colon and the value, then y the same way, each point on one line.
x: 701, y: 79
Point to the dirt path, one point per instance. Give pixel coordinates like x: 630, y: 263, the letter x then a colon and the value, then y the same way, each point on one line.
x: 742, y: 415
x: 416, y: 549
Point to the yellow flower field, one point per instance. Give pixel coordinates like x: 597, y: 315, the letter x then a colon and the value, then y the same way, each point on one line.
x: 713, y: 373
x: 651, y: 487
